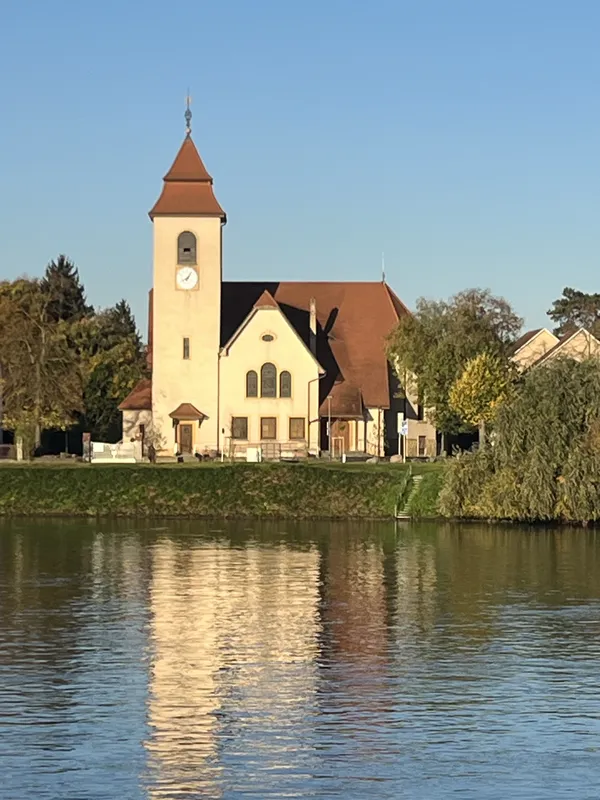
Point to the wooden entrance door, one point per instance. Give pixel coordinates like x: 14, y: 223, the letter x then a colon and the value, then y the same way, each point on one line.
x: 340, y: 432
x: 185, y: 438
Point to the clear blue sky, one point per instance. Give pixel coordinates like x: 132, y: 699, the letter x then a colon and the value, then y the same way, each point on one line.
x: 461, y: 137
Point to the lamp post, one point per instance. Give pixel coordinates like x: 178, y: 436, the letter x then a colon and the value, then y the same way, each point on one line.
x: 329, y: 425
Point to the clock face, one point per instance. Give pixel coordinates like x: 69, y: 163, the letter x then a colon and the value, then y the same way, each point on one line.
x: 187, y: 278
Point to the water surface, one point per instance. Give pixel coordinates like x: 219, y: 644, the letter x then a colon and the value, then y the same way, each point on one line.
x: 192, y: 660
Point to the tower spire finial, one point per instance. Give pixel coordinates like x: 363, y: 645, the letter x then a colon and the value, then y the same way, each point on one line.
x: 188, y: 114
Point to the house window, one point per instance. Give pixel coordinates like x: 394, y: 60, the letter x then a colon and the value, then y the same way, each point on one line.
x: 296, y: 427
x: 251, y: 384
x: 186, y: 348
x: 422, y: 446
x: 267, y: 337
x: 239, y: 427
x: 268, y: 381
x: 420, y: 412
x: 186, y: 248
x: 268, y: 428
x: 285, y: 384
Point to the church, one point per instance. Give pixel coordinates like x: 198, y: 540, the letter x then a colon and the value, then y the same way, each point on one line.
x: 283, y: 369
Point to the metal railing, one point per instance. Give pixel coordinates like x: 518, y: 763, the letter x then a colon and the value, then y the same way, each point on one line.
x: 268, y: 451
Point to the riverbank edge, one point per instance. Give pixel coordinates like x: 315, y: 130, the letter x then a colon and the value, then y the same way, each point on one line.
x: 218, y: 491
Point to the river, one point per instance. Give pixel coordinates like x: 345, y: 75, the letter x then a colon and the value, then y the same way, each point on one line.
x: 236, y: 660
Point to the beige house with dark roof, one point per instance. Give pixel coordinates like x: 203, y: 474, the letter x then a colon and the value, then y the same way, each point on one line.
x: 540, y: 346
x: 288, y: 367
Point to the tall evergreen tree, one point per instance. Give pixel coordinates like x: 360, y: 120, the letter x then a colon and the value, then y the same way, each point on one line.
x: 67, y: 294
x: 113, y: 360
x: 574, y: 310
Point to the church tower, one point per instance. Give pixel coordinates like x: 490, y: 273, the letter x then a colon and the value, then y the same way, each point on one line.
x: 186, y: 315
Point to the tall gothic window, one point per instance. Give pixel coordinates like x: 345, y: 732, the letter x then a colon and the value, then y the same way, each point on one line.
x: 285, y: 384
x: 251, y: 384
x: 186, y: 248
x: 268, y: 380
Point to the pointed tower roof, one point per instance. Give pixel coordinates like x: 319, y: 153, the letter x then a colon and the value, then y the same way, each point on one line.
x: 187, y: 189
x: 188, y: 165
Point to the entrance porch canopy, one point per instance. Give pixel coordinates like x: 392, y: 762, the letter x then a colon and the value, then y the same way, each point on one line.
x: 187, y: 412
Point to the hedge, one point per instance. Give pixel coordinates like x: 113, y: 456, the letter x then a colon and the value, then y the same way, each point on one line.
x: 241, y: 490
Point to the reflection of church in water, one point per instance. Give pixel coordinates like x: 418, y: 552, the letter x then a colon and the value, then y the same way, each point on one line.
x: 256, y: 639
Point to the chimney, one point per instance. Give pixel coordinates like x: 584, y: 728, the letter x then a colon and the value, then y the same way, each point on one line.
x: 313, y: 326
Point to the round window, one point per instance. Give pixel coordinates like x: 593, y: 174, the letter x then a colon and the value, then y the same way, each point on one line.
x: 267, y: 337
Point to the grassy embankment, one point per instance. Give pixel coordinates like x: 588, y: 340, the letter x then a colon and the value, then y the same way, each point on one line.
x: 295, y: 491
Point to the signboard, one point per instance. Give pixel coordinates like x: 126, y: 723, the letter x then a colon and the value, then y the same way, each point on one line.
x: 404, y: 428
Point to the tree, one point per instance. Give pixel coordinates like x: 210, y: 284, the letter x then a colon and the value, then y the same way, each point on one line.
x: 574, y: 310
x: 476, y: 395
x: 41, y: 386
x: 545, y: 462
x: 431, y: 348
x: 67, y: 295
x: 112, y: 361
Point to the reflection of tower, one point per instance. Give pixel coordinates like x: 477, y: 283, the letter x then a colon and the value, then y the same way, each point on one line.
x: 355, y: 618
x: 415, y: 592
x: 234, y: 635
x: 356, y: 598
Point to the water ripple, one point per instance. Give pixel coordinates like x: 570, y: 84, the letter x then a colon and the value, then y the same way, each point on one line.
x: 324, y: 661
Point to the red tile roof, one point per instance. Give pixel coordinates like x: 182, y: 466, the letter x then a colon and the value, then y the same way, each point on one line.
x: 354, y: 320
x: 188, y: 166
x: 266, y: 301
x: 188, y: 187
x: 140, y: 397
x: 186, y: 411
x: 346, y: 401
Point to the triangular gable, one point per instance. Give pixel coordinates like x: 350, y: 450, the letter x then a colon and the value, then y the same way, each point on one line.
x: 567, y: 341
x: 528, y: 337
x: 533, y: 346
x: 266, y: 300
x: 267, y: 303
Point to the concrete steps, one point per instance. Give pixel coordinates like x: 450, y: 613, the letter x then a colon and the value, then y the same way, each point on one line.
x: 404, y: 512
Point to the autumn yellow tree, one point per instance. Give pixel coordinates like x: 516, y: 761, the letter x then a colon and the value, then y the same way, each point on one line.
x: 484, y: 384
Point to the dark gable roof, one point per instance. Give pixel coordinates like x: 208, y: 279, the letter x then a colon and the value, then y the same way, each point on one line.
x: 354, y: 319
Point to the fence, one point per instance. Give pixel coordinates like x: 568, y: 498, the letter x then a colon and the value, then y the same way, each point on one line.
x: 267, y: 451
x: 124, y: 453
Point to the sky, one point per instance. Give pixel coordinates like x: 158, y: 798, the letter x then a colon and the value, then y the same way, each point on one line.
x: 458, y: 137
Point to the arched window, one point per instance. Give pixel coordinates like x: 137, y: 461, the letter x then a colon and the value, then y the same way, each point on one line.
x: 285, y: 384
x: 268, y: 380
x: 186, y: 248
x: 251, y: 384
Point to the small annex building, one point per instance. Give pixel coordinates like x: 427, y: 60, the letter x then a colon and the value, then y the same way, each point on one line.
x: 292, y: 367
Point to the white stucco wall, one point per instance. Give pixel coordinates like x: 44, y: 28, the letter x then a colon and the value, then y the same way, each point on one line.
x: 132, y: 421
x: 286, y: 352
x: 375, y: 432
